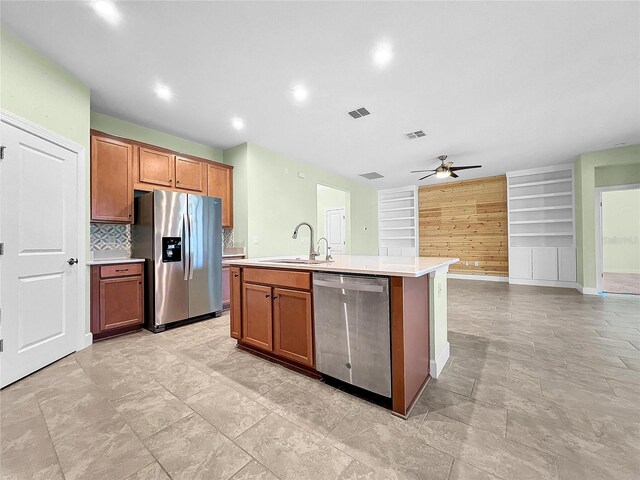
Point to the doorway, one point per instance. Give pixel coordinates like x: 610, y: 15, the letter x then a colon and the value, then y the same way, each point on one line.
x: 333, y: 218
x: 618, y: 249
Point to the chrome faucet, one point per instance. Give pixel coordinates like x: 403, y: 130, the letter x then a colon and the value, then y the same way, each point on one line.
x: 328, y: 256
x: 312, y: 254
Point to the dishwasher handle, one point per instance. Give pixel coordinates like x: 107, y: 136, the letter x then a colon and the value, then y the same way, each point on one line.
x: 350, y: 286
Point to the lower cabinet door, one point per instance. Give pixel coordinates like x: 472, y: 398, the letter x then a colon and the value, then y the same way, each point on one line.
x: 545, y: 263
x: 292, y: 325
x: 121, y: 302
x: 235, y: 287
x: 567, y: 264
x: 226, y: 287
x: 520, y: 262
x: 257, y: 320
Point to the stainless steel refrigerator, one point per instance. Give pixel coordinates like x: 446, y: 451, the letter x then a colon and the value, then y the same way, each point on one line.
x: 180, y: 237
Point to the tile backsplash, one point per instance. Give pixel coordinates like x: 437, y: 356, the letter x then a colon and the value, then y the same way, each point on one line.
x: 112, y: 236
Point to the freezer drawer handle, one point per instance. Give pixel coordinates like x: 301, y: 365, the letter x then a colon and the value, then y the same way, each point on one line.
x: 350, y: 286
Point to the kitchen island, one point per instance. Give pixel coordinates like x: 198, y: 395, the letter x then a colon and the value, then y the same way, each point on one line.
x: 272, y: 313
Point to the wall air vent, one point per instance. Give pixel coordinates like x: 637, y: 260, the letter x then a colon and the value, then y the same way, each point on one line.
x: 360, y: 112
x: 371, y: 175
x: 416, y: 134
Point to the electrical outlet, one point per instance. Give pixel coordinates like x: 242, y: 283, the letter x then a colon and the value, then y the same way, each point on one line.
x: 256, y: 240
x: 475, y: 264
x: 112, y: 239
x: 466, y: 264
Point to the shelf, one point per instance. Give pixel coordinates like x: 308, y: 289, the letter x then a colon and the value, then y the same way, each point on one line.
x: 542, y: 195
x: 551, y: 220
x: 536, y: 209
x: 403, y: 199
x: 397, y: 238
x: 551, y: 234
x: 397, y: 209
x: 396, y: 228
x: 544, y: 182
x: 396, y: 218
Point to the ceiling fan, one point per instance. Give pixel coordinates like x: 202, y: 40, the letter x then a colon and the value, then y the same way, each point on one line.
x: 445, y: 169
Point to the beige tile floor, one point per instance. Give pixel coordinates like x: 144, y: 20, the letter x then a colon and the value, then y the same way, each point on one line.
x: 542, y: 384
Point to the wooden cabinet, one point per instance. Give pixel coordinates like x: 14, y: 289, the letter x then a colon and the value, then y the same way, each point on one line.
x: 111, y: 184
x: 220, y: 184
x: 190, y: 174
x: 276, y: 310
x: 257, y: 323
x: 117, y: 299
x: 292, y: 334
x: 226, y: 286
x: 235, y: 287
x: 155, y: 167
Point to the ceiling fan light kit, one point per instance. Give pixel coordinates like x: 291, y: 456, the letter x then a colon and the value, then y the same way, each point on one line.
x: 445, y: 170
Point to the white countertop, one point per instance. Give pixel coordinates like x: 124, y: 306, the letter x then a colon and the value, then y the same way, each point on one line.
x: 362, y: 264
x: 113, y: 261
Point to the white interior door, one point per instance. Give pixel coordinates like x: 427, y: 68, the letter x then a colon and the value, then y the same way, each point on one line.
x: 40, y: 232
x: 335, y: 230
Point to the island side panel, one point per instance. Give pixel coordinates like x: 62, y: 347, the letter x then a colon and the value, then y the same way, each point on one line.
x: 409, y: 340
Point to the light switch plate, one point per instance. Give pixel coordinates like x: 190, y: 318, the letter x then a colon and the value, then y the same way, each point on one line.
x: 256, y: 240
x: 300, y: 174
x: 475, y: 264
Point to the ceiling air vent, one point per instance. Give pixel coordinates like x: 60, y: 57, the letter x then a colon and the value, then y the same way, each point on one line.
x: 416, y: 134
x: 360, y: 112
x: 371, y: 175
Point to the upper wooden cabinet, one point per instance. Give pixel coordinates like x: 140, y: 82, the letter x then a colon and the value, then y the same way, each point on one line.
x: 220, y: 184
x: 120, y: 166
x: 111, y: 180
x: 190, y: 174
x: 155, y: 167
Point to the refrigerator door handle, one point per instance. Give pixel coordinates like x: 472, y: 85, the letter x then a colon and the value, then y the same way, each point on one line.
x: 190, y: 250
x: 186, y: 244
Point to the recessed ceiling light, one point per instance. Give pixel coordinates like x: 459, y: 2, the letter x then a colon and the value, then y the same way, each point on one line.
x: 237, y: 123
x: 163, y: 92
x: 382, y: 54
x: 300, y: 93
x: 106, y: 10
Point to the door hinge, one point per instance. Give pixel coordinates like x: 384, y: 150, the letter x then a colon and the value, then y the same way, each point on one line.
x: 2, y: 147
x: 1, y: 345
x: 2, y: 248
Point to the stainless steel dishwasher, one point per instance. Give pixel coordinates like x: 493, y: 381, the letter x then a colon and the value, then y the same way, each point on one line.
x: 352, y: 331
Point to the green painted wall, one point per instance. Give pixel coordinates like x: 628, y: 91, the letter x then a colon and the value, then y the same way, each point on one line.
x: 626, y: 164
x: 617, y: 175
x: 327, y: 198
x: 122, y: 128
x: 36, y: 89
x: 620, y: 231
x: 276, y: 199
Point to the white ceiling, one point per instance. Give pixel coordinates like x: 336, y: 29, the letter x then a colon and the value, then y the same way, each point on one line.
x: 508, y: 85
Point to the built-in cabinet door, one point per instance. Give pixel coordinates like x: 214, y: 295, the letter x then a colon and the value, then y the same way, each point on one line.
x: 220, y: 184
x: 520, y: 262
x: 545, y: 263
x: 257, y: 322
x: 121, y: 302
x: 292, y: 325
x: 190, y: 174
x: 567, y: 264
x: 226, y: 286
x: 111, y: 187
x: 155, y: 167
x: 235, y: 283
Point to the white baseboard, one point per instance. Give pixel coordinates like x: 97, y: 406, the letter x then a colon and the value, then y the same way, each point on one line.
x: 587, y: 290
x: 436, y: 366
x: 86, y: 341
x: 486, y: 278
x: 543, y: 283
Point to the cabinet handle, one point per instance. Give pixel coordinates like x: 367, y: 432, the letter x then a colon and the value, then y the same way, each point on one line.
x: 275, y: 297
x: 235, y: 275
x: 122, y: 270
x: 267, y: 295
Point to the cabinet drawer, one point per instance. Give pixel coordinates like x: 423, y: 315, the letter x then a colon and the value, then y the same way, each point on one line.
x: 281, y: 278
x: 122, y: 270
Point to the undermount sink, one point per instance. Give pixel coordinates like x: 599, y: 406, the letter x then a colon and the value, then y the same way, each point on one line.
x: 301, y: 261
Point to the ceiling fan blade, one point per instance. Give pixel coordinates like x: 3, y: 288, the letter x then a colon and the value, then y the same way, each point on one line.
x: 452, y: 174
x: 426, y: 176
x: 421, y: 171
x: 453, y: 169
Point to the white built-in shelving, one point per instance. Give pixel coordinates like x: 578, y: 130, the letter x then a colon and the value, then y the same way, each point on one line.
x: 398, y: 221
x: 542, y: 245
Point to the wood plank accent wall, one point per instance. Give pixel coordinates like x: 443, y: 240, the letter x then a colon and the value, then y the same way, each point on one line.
x: 468, y: 220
